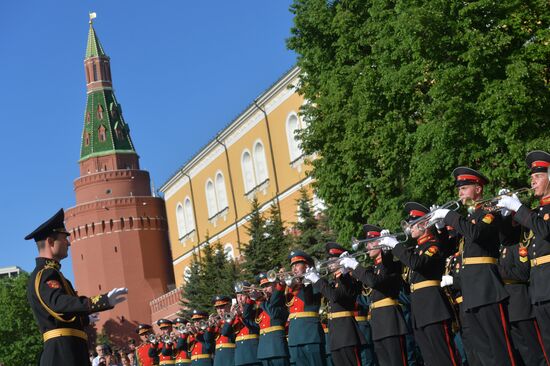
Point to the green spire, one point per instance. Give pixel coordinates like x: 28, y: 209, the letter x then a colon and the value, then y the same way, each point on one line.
x: 105, y: 132
x: 94, y: 47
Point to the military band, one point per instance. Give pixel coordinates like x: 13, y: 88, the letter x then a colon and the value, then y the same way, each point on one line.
x: 480, y: 278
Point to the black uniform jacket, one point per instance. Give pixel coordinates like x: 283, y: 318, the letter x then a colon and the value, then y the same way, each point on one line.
x: 539, y: 222
x: 480, y: 283
x: 341, y: 295
x: 426, y: 262
x: 385, y: 281
x: 55, y: 305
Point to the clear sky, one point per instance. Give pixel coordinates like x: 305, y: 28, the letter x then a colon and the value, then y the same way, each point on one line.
x: 182, y: 70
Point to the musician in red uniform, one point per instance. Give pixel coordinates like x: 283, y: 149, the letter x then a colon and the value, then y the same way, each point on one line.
x: 142, y: 351
x: 200, y: 341
x: 181, y: 347
x: 163, y: 348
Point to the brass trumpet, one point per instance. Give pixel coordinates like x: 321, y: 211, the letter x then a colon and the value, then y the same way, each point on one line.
x: 151, y: 338
x: 423, y: 222
x: 490, y: 204
x: 240, y: 287
x: 355, y: 243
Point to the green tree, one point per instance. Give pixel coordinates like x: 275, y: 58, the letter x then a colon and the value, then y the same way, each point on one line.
x: 256, y: 258
x: 277, y: 243
x: 213, y: 274
x: 20, y: 338
x: 312, y: 230
x: 401, y: 92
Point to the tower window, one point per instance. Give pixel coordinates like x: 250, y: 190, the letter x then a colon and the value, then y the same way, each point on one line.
x: 101, y: 133
x: 99, y: 111
x: 88, y: 118
x: 95, y: 71
x: 118, y: 133
x: 86, y: 139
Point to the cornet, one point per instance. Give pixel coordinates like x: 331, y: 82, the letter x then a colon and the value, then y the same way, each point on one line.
x: 490, y: 204
x: 423, y: 222
x: 182, y: 329
x: 240, y: 287
x: 151, y: 338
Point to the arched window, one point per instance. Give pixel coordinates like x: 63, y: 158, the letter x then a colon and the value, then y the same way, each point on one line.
x: 188, y: 212
x: 260, y: 165
x: 101, y: 133
x: 211, y: 199
x: 180, y: 219
x: 221, y: 194
x: 248, y: 171
x: 293, y: 125
x: 228, y: 252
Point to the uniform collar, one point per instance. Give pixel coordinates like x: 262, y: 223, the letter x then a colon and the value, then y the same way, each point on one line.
x: 425, y: 238
x: 48, y: 263
x: 545, y: 200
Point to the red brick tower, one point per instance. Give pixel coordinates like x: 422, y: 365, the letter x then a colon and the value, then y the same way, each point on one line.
x: 119, y: 230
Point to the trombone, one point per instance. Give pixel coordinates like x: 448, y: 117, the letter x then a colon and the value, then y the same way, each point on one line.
x: 490, y: 204
x: 423, y: 222
x: 355, y: 243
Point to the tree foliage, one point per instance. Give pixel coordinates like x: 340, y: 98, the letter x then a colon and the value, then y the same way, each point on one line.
x: 402, y: 92
x: 312, y: 230
x: 20, y: 338
x: 212, y: 274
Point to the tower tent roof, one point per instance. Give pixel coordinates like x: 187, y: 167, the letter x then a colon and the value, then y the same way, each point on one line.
x: 94, y: 47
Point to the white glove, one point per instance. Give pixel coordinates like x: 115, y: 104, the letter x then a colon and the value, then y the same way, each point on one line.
x: 389, y: 242
x: 438, y: 215
x: 504, y: 212
x: 503, y: 191
x: 446, y: 280
x: 511, y: 203
x: 385, y: 232
x: 116, y: 295
x: 349, y: 262
x: 433, y: 208
x: 311, y: 275
x: 93, y: 318
x: 345, y: 254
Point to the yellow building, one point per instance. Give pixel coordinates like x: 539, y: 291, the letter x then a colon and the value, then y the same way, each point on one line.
x: 256, y: 155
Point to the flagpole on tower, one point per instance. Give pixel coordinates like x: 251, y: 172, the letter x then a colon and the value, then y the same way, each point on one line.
x: 93, y: 15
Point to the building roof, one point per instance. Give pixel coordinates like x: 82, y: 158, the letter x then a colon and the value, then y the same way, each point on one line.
x: 231, y: 126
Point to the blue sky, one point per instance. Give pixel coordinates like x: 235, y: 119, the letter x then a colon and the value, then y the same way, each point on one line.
x: 181, y: 70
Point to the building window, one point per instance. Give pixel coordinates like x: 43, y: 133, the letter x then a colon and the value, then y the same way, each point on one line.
x: 86, y: 138
x: 180, y: 219
x: 228, y: 252
x: 211, y: 199
x: 293, y: 125
x: 248, y: 171
x: 99, y: 111
x: 88, y: 117
x: 221, y: 193
x: 260, y: 164
x: 101, y: 133
x: 188, y: 212
x: 118, y: 132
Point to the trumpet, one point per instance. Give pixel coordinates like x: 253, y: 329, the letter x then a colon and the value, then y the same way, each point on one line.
x: 240, y: 287
x: 490, y: 204
x: 355, y: 243
x: 423, y: 222
x: 151, y: 338
x: 182, y: 328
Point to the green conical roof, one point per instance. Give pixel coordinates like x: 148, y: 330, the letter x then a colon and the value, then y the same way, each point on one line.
x: 94, y: 47
x: 105, y: 132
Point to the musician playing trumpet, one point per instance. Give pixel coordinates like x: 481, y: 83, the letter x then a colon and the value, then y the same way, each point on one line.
x: 142, y: 351
x: 272, y: 347
x: 201, y: 339
x: 225, y: 337
x: 163, y: 346
x: 246, y: 329
x: 305, y: 333
x: 431, y: 316
x: 181, y: 349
